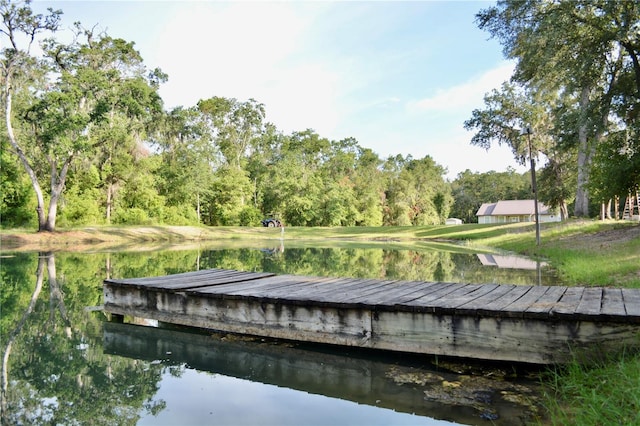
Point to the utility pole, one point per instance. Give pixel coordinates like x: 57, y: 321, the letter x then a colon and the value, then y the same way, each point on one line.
x: 528, y: 131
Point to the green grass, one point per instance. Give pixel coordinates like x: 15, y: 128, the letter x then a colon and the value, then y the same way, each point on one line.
x: 584, y: 253
x: 580, y: 267
x: 607, y: 393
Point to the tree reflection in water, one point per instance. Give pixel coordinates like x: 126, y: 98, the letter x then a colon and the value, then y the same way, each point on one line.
x: 53, y: 369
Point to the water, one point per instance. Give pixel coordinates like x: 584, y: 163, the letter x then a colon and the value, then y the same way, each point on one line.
x: 64, y: 363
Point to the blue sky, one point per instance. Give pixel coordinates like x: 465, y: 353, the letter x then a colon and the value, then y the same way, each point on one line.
x: 400, y: 77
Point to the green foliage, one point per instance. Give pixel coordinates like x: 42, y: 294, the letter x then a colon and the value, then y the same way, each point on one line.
x: 132, y: 216
x: 138, y: 198
x: 250, y: 216
x: 233, y: 125
x: 79, y: 210
x: 185, y: 175
x: 81, y: 202
x: 616, y: 165
x: 182, y: 214
x: 17, y: 202
x: 417, y: 194
x: 230, y: 193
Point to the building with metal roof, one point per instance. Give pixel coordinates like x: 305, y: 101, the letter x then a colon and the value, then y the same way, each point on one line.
x: 512, y: 211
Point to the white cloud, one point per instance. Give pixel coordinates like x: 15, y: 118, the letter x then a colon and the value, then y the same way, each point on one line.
x: 248, y: 50
x: 458, y: 155
x: 467, y: 95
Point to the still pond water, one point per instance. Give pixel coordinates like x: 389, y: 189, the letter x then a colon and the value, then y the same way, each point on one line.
x: 64, y: 363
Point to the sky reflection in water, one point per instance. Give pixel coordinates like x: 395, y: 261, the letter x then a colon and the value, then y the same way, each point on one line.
x: 199, y: 398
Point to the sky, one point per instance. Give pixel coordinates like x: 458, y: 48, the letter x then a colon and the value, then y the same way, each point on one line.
x: 399, y: 77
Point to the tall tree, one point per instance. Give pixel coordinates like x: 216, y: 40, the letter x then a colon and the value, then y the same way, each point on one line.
x: 296, y: 185
x: 134, y: 111
x: 235, y: 127
x: 580, y: 49
x: 20, y: 70
x: 369, y: 187
x: 88, y: 82
x: 417, y: 193
x: 187, y: 158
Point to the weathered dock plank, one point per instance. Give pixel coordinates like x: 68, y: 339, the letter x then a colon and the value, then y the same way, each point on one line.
x: 427, y: 302
x: 631, y: 301
x: 496, y: 299
x: 545, y: 303
x: 518, y: 307
x: 534, y: 324
x: 405, y: 290
x: 590, y: 304
x: 197, y: 279
x: 453, y: 301
x: 612, y: 303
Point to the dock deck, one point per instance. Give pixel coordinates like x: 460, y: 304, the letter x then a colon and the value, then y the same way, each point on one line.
x: 533, y: 324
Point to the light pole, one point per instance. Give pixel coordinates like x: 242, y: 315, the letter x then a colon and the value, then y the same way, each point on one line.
x: 527, y: 131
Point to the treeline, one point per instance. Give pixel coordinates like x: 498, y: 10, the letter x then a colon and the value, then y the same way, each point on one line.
x: 86, y: 140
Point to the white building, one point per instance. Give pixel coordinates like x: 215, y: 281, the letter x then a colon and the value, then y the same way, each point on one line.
x: 512, y: 211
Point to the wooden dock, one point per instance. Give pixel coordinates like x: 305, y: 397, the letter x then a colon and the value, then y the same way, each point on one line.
x: 532, y: 324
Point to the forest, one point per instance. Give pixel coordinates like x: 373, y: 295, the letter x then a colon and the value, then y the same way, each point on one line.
x: 86, y: 139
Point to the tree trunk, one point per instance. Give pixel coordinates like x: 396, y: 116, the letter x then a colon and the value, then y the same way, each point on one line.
x: 109, y: 202
x: 50, y: 224
x: 581, y: 208
x: 40, y: 209
x: 198, y: 208
x: 56, y: 298
x: 57, y: 186
x: 11, y: 337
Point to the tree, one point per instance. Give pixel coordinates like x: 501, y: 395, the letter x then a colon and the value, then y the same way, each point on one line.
x: 134, y: 110
x: 369, y: 187
x: 515, y: 108
x: 583, y: 50
x: 417, y: 193
x: 235, y: 127
x: 19, y: 67
x: 187, y: 158
x: 89, y: 83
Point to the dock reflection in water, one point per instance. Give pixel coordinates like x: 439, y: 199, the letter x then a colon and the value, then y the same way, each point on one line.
x: 389, y: 381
